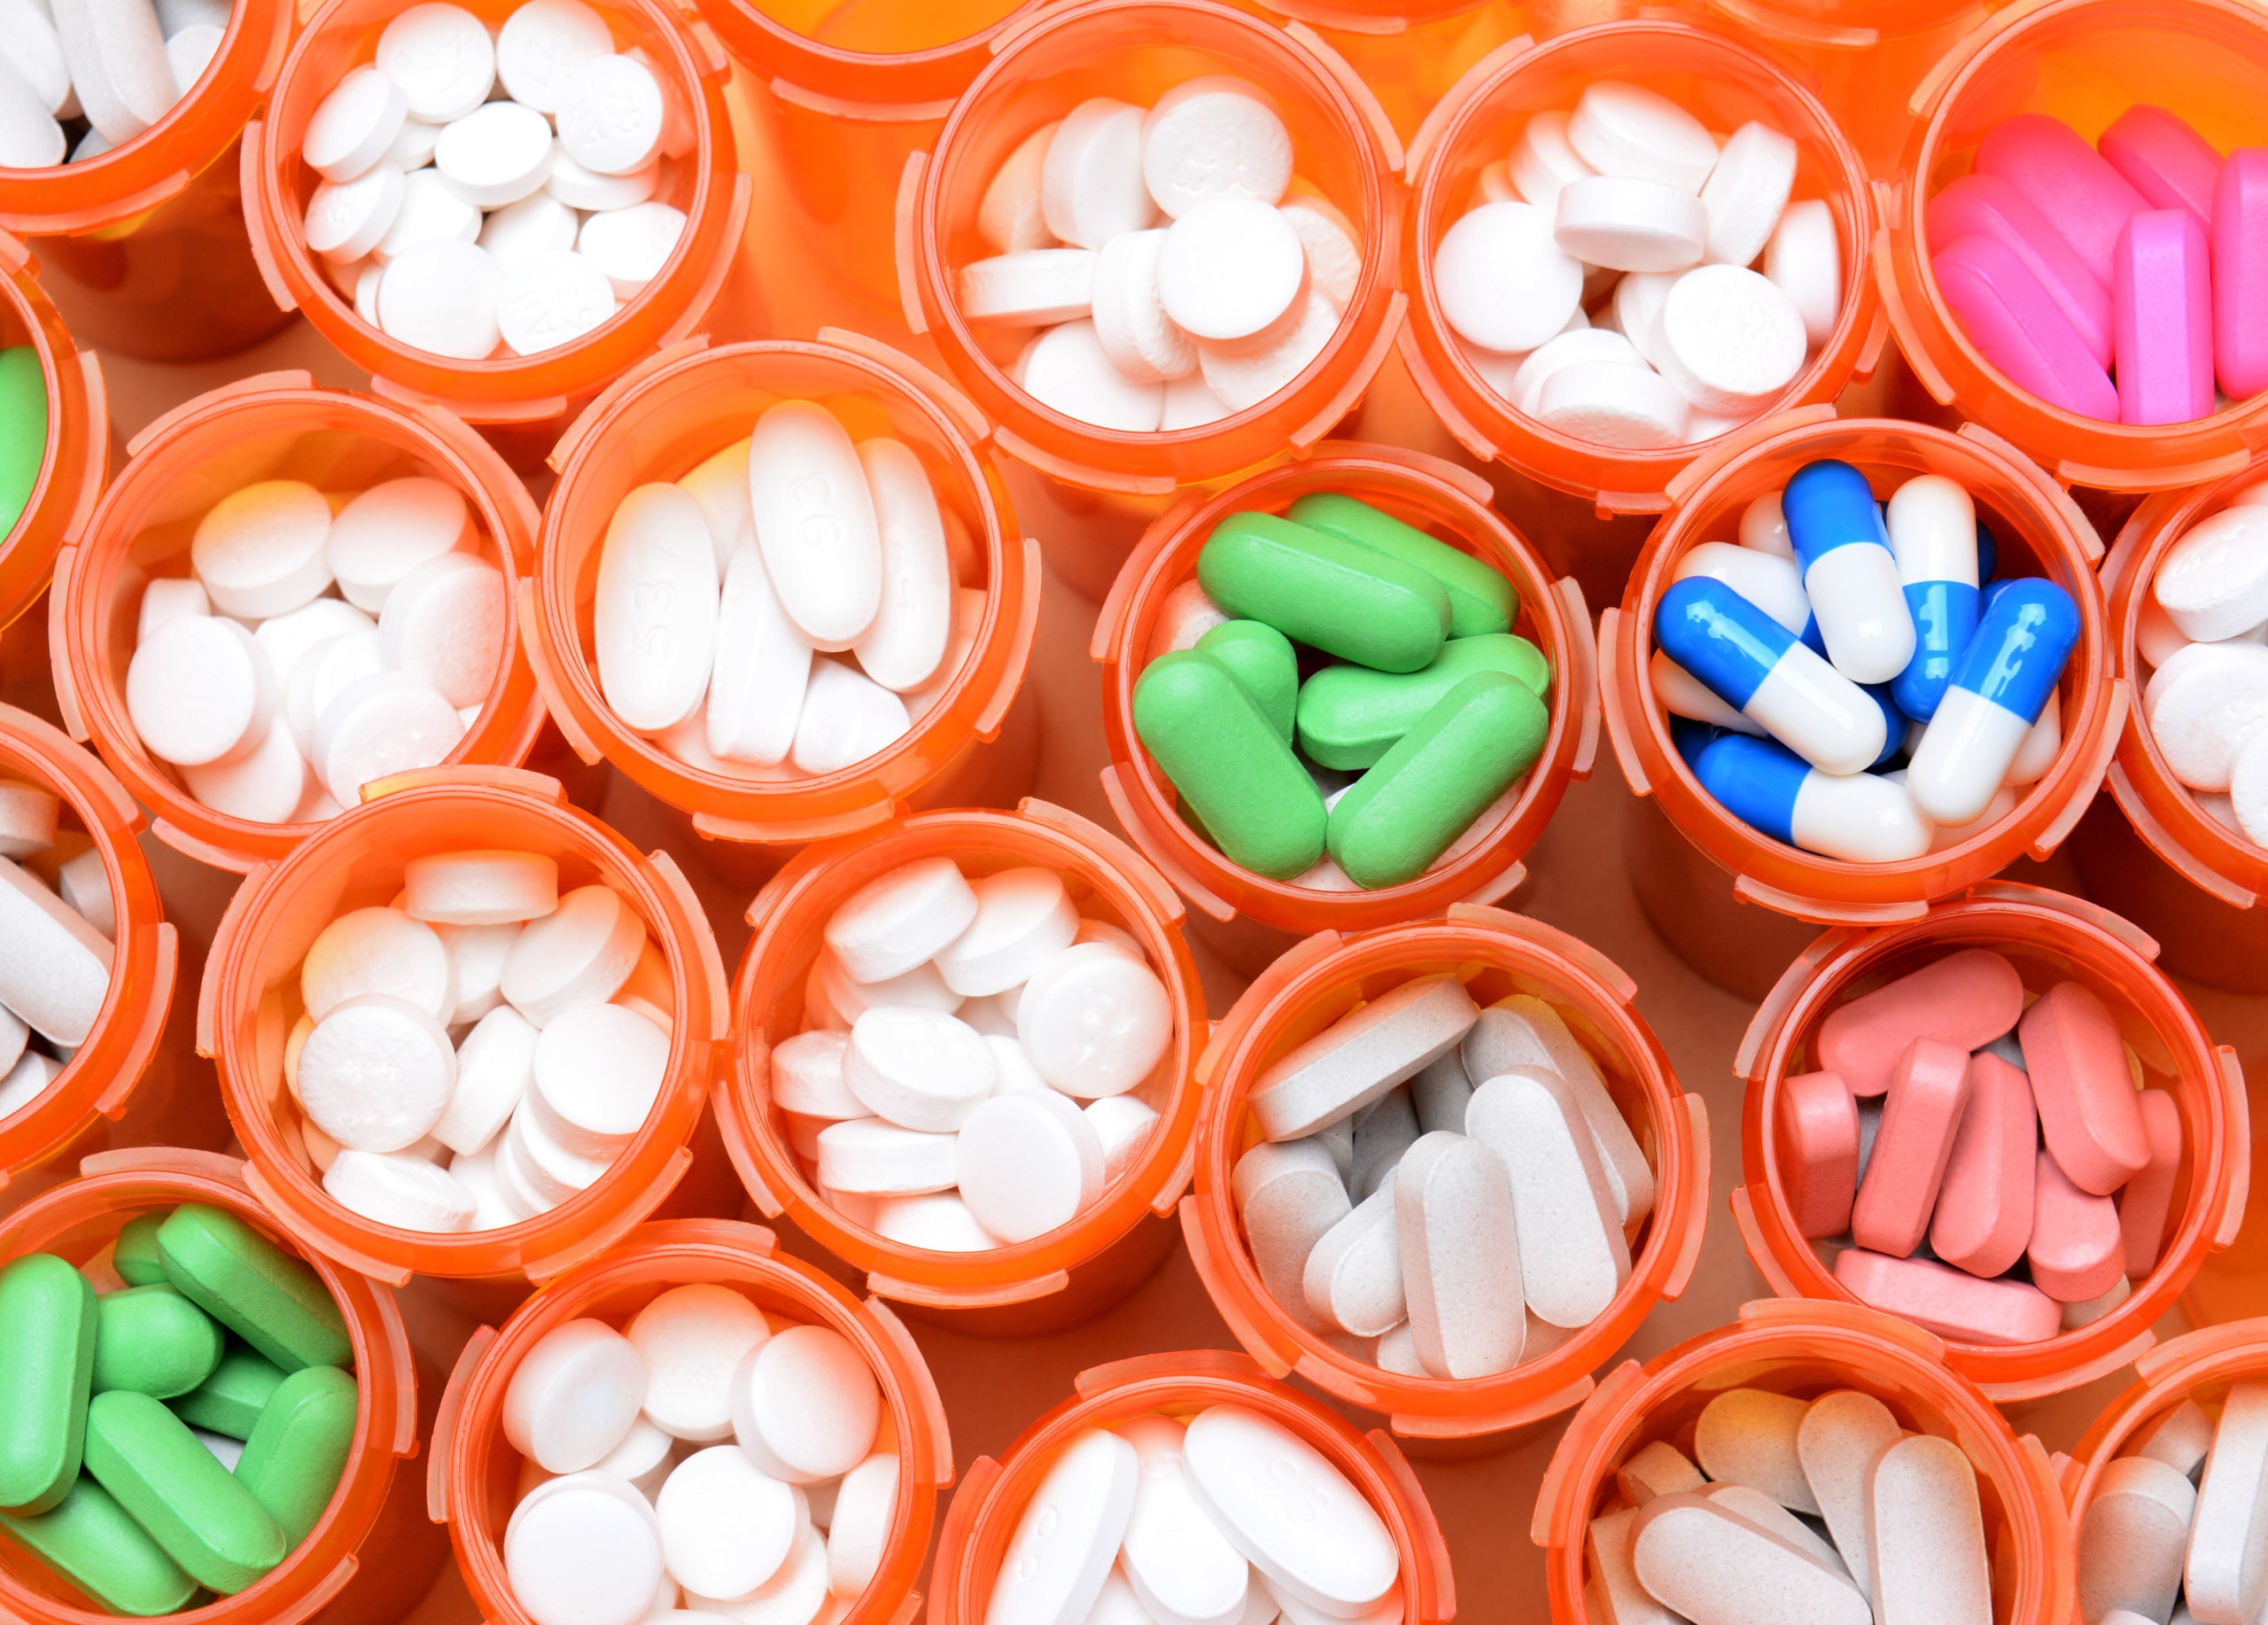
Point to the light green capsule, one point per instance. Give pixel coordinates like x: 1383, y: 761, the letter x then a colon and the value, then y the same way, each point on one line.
x: 1437, y: 779
x: 1230, y: 765
x: 293, y: 1459
x: 135, y: 1256
x: 170, y: 1484
x: 1349, y: 715
x: 87, y: 1538
x: 230, y: 1400
x: 1344, y: 599
x: 47, y: 1365
x: 150, y: 1339
x: 252, y: 1287
x: 1480, y: 600
x: 23, y: 431
x: 1261, y: 660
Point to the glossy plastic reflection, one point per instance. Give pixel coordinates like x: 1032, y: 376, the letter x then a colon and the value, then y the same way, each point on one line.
x: 77, y: 455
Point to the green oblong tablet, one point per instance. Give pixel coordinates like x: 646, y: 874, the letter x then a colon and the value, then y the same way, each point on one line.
x: 135, y: 1256
x: 252, y: 1287
x: 150, y: 1339
x: 292, y: 1462
x: 87, y: 1538
x: 170, y: 1484
x: 47, y: 1367
x: 1480, y: 599
x: 1230, y: 765
x: 1439, y: 776
x: 23, y: 431
x: 230, y: 1400
x: 1349, y: 715
x: 1314, y: 587
x: 1264, y: 665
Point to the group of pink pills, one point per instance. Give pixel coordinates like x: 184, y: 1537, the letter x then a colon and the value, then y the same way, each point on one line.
x: 2119, y: 281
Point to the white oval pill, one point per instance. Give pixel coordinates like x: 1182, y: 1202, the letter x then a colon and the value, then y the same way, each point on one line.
x: 440, y: 297
x: 376, y: 1073
x: 352, y: 126
x: 693, y: 1337
x: 611, y: 114
x: 1091, y: 180
x: 1230, y: 267
x: 631, y: 246
x: 654, y: 609
x: 762, y: 665
x: 1069, y: 1534
x: 814, y: 518
x: 541, y: 42
x: 902, y: 648
x: 1291, y: 1513
x: 199, y: 690
x: 1503, y: 281
x: 805, y: 1405
x: 847, y: 717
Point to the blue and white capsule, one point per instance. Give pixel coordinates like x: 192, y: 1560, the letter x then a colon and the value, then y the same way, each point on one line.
x: 1755, y: 665
x: 1857, y: 817
x: 1767, y: 580
x: 2010, y: 669
x: 1849, y: 573
x: 1933, y: 528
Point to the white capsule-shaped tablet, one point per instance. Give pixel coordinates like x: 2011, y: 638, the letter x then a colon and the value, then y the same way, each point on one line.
x: 1925, y: 1535
x: 1502, y: 279
x: 762, y: 666
x: 654, y: 609
x: 1573, y: 1256
x: 814, y: 520
x: 1181, y: 1569
x: 118, y: 70
x: 903, y: 645
x: 1292, y: 1513
x: 1709, y: 1562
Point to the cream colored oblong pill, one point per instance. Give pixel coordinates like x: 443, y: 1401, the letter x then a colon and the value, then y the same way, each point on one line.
x: 1837, y: 1437
x: 1353, y: 1279
x: 1710, y: 1564
x: 815, y: 523
x: 2132, y: 1538
x: 654, y: 609
x: 1289, y: 1196
x: 1925, y: 1535
x: 2226, y: 1573
x: 1460, y: 1256
x: 900, y: 649
x: 1766, y: 1513
x: 1658, y: 1469
x: 1522, y: 1029
x: 1750, y: 1436
x: 1573, y: 1258
x: 1362, y: 1056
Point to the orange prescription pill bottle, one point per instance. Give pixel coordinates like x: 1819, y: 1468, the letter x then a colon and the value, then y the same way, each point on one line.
x: 371, y: 1556
x: 251, y: 999
x: 661, y: 421
x: 1723, y: 83
x: 985, y: 1513
x: 473, y: 1477
x: 77, y: 457
x: 1071, y: 1272
x: 2049, y: 938
x: 1246, y: 917
x: 2085, y: 62
x: 1409, y: 52
x: 144, y: 246
x: 2039, y: 531
x: 1495, y: 954
x: 520, y: 402
x: 1807, y: 1350
x: 276, y: 425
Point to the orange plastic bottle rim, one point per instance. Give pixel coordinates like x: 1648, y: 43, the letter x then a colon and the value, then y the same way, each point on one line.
x: 77, y: 453
x: 2199, y: 1365
x: 883, y: 80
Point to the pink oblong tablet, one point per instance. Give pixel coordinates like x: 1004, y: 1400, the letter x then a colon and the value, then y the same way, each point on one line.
x: 1966, y: 999
x: 1946, y: 1301
x: 1929, y: 1090
x: 2088, y: 1114
x: 2240, y: 273
x: 2148, y: 1196
x: 2163, y: 158
x: 1984, y: 205
x: 2075, y: 1251
x: 2083, y: 196
x: 1983, y: 1213
x: 1819, y: 1152
x: 2162, y: 311
x: 2009, y: 316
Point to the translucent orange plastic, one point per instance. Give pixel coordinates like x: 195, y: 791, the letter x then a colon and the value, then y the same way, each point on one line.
x: 1135, y: 51
x: 273, y: 425
x: 77, y: 458
x: 1435, y: 496
x: 1724, y: 84
x: 145, y: 245
x: 1805, y: 1349
x: 992, y: 1497
x: 1054, y: 1279
x: 521, y: 400
x: 2050, y: 938
x: 250, y: 998
x: 657, y: 423
x: 371, y: 1556
x: 471, y: 1479
x: 1496, y: 954
x: 1410, y: 52
x: 2086, y: 62
x: 2039, y: 530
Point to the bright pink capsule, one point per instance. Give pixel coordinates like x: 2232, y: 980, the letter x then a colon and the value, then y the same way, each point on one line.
x: 2161, y: 303
x: 2088, y: 1114
x: 2010, y: 317
x: 1979, y: 205
x: 2240, y: 274
x: 2075, y: 1251
x: 1984, y: 1214
x: 1929, y: 1090
x: 1818, y: 1134
x: 2148, y: 1196
x: 1966, y: 999
x: 2163, y: 158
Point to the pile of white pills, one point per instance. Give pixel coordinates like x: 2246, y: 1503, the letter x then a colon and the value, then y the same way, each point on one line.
x: 1424, y: 1221
x: 56, y: 922
x: 1797, y: 1512
x: 82, y: 76
x: 485, y: 196
x: 720, y: 597
x: 709, y: 1456
x: 1179, y: 271
x: 482, y: 1048
x: 1225, y: 1515
x: 1604, y: 282
x: 319, y: 639
x: 2203, y: 634
x: 974, y: 1058
x: 2178, y: 1518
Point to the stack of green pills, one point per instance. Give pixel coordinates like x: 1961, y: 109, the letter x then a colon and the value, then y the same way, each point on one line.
x: 1368, y: 698
x: 179, y: 1436
x: 23, y: 431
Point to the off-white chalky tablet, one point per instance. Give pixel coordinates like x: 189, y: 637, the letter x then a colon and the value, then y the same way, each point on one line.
x: 846, y: 718
x: 1925, y: 1535
x: 2181, y: 1438
x: 1288, y: 1196
x: 520, y: 233
x: 1573, y: 1256
x: 655, y: 615
x: 1230, y: 267
x: 264, y: 787
x: 805, y: 1404
x: 1748, y: 1437
x: 1066, y: 368
x: 170, y: 598
x: 553, y: 298
x: 258, y: 551
x: 1242, y: 375
x: 1747, y: 192
x: 1191, y: 402
x: 413, y: 148
x: 119, y: 71
x: 867, y: 1157
x: 1460, y: 1256
x: 388, y: 530
x: 1334, y: 259
x: 920, y: 987
x: 1033, y: 287
x: 1352, y: 1279
x: 1009, y: 216
x: 1613, y: 1593
x: 1542, y: 164
x: 2213, y: 581
x: 1023, y: 917
x: 1611, y: 405
x: 902, y: 919
x: 1124, y: 1124
x: 1069, y: 1535
x: 1013, y: 1070
x: 1659, y: 1468
x: 57, y: 972
x: 859, y: 1522
x: 1580, y: 346
x: 430, y: 212
x: 1731, y: 340
x: 399, y: 1189
x: 584, y: 1550
x: 1638, y: 300
x: 1384, y: 1130
x: 1839, y: 1434
x: 578, y: 188
x: 378, y: 951
x: 347, y: 219
x: 919, y: 1068
x: 726, y: 1524
x: 2203, y: 704
x: 598, y: 1069
x: 693, y: 1337
x: 913, y: 624
x: 28, y: 815
x: 1292, y: 1513
x: 497, y: 153
x: 1766, y: 1513
x: 382, y: 724
x: 190, y: 52
x: 376, y: 1072
x: 496, y: 1066
x: 814, y: 520
x: 938, y: 1222
x: 580, y: 953
x: 1028, y: 1163
x: 1182, y: 1568
x: 631, y: 247
x: 1521, y: 1030
x: 1629, y: 224
x: 1712, y: 1566
x: 1361, y: 1056
x: 352, y: 126
x: 84, y: 883
x: 27, y: 1080
x: 2133, y: 1538
x: 611, y: 114
x: 441, y: 57
x: 541, y: 42
x: 2227, y: 1571
x: 574, y: 1396
x: 440, y: 297
x: 1141, y: 340
x: 480, y: 887
x: 1090, y: 180
x: 643, y: 1460
x: 1804, y: 260
x: 1094, y: 1021
x: 1211, y: 138
x: 807, y: 1077
x: 1625, y: 129
x: 1502, y: 280
x: 36, y: 56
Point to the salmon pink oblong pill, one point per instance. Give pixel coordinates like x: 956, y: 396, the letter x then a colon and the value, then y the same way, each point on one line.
x: 1818, y: 1134
x: 2009, y: 316
x: 2240, y: 274
x: 1977, y: 205
x: 2161, y: 305
x: 2083, y: 196
x: 1984, y: 1214
x: 1947, y: 1301
x: 2148, y: 1196
x: 2088, y: 1114
x: 2165, y: 161
x: 2076, y: 1250
x: 1929, y: 1090
x: 1966, y: 999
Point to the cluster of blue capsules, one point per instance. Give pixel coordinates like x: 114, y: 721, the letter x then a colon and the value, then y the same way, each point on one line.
x: 1841, y: 637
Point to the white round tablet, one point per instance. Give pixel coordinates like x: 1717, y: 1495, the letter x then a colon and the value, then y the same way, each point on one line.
x: 584, y: 1550
x: 1747, y: 191
x: 693, y: 1337
x: 1033, y: 288
x: 379, y: 726
x: 726, y: 1524
x: 865, y: 1156
x: 197, y: 690
x: 258, y: 551
x: 376, y: 1072
x: 1230, y: 267
x: 541, y: 43
x: 430, y: 210
x: 495, y: 1064
x: 1587, y: 344
x: 1803, y: 259
x: 1024, y: 917
x: 354, y: 126
x: 1066, y: 369
x: 519, y: 232
x: 633, y: 246
x: 581, y: 952
x: 1029, y: 1163
x: 497, y: 153
x: 938, y: 1223
x: 805, y: 1405
x: 1503, y: 281
x: 598, y: 1071
x: 1730, y: 341
x: 1214, y: 136
x: 444, y: 624
x: 480, y: 887
x: 897, y: 920
x: 1609, y: 404
x: 1624, y: 129
x: 441, y: 297
x: 1090, y: 185
x: 919, y: 1068
x: 441, y: 57
x: 574, y: 1396
x: 388, y: 529
x: 1541, y: 162
x: 263, y: 788
x: 347, y: 219
x: 1094, y: 1021
x: 399, y: 1189
x: 377, y: 950
x: 1628, y: 224
x: 578, y: 188
x: 611, y: 114
x: 1240, y: 376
